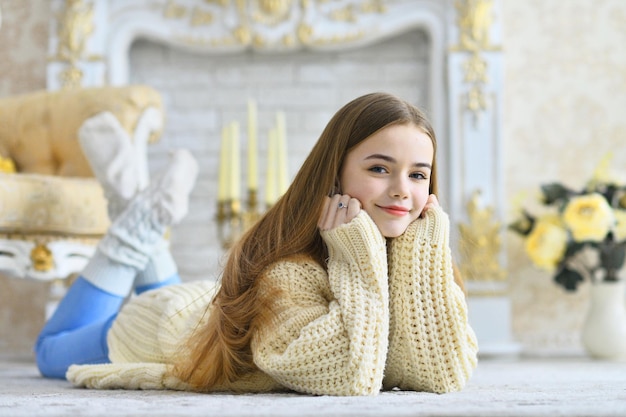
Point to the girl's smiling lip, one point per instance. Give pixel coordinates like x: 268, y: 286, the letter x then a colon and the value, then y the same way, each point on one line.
x: 396, y: 210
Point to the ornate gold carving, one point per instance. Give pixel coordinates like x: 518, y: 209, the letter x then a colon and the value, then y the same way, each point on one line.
x: 349, y: 13
x: 474, y: 24
x: 201, y: 17
x: 274, y: 7
x: 270, y: 12
x: 374, y: 6
x: 305, y: 32
x: 345, y: 14
x: 480, y: 244
x: 475, y: 101
x: 72, y: 77
x: 242, y: 34
x: 253, y: 15
x: 475, y: 69
x: 42, y: 258
x: 223, y: 3
x: 174, y: 10
x: 76, y: 26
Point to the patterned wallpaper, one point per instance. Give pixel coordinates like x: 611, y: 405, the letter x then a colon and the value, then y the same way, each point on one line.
x: 23, y: 45
x: 565, y: 102
x: 565, y: 107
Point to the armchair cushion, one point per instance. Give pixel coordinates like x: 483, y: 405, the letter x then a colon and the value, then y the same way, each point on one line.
x: 39, y: 204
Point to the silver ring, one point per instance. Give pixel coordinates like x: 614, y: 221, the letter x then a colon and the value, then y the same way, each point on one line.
x: 341, y: 205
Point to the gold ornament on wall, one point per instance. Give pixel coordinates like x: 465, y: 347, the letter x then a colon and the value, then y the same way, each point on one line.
x: 274, y: 7
x: 174, y: 10
x: 201, y: 18
x: 255, y: 17
x: 480, y: 244
x: 474, y: 20
x: 75, y: 28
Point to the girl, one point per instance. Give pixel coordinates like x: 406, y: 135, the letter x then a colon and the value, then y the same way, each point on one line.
x: 344, y: 287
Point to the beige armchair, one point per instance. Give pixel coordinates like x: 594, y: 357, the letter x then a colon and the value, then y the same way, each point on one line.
x: 52, y: 210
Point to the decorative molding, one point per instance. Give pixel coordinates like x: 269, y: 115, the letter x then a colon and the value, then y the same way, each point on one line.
x: 480, y: 243
x: 474, y: 22
x: 41, y: 258
x: 75, y: 28
x: 272, y: 24
x: 215, y: 27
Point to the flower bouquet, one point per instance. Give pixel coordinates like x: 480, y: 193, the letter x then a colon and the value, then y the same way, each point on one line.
x: 582, y: 233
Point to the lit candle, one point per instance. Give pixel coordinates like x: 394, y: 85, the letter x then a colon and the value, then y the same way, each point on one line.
x: 253, y: 182
x: 235, y: 167
x: 270, y: 183
x: 223, y: 175
x: 281, y: 147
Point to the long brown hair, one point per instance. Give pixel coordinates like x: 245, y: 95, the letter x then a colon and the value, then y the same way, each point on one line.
x: 219, y: 352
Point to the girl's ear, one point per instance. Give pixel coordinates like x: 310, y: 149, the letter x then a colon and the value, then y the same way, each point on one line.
x: 336, y: 188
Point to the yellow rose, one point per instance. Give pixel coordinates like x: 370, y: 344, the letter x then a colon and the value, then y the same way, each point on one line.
x: 546, y: 243
x: 589, y: 217
x: 620, y: 227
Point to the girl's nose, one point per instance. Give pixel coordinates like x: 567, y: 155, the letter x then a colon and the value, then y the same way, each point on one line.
x: 399, y: 187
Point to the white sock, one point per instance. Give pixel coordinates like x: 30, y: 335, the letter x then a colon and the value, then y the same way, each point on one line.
x: 109, y: 275
x: 109, y: 150
x: 133, y: 236
x: 160, y: 267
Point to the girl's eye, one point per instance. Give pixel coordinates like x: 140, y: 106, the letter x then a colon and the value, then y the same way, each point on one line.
x: 418, y: 176
x: 378, y: 169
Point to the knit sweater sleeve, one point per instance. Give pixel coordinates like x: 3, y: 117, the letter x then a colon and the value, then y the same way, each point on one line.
x: 432, y: 347
x: 329, y: 333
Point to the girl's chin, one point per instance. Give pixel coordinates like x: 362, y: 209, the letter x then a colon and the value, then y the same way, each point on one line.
x: 391, y: 232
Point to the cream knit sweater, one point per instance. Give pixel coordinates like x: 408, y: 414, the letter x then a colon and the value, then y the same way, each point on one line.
x: 379, y: 318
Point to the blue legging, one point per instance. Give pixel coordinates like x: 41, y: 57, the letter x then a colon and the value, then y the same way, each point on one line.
x: 76, y: 332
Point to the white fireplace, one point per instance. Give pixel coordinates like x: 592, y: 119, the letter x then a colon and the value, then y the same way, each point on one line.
x: 202, y: 93
x: 194, y: 54
x: 306, y: 58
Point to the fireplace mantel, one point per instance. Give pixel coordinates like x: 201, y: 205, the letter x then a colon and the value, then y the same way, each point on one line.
x: 90, y: 43
x: 91, y: 39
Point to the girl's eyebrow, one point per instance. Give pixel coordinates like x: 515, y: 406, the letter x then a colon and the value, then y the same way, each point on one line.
x: 393, y: 160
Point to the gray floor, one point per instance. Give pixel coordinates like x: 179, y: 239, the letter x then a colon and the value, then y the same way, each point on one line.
x: 527, y: 387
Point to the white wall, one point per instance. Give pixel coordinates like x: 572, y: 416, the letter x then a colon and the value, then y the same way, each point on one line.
x: 203, y: 92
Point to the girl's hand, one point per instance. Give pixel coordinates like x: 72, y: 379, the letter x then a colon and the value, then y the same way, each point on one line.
x: 338, y: 209
x: 432, y: 202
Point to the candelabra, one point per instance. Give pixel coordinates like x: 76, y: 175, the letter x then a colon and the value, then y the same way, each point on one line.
x: 233, y: 220
x: 233, y: 216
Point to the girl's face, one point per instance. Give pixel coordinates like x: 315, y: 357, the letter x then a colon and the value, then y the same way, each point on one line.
x: 389, y: 173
